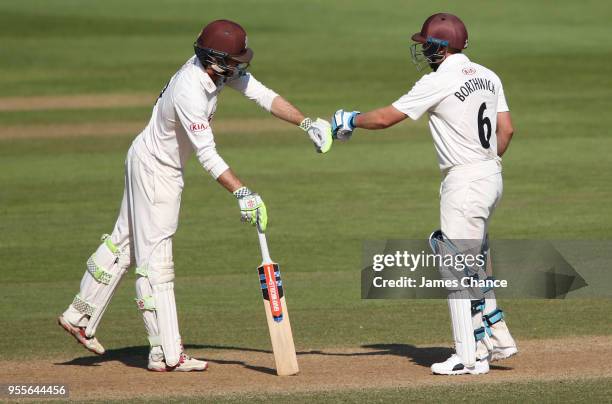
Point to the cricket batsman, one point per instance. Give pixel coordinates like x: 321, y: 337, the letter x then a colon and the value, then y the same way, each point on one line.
x: 148, y: 218
x: 471, y: 127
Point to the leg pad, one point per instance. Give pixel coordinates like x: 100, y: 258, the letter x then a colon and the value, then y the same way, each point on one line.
x: 106, y: 266
x: 463, y: 330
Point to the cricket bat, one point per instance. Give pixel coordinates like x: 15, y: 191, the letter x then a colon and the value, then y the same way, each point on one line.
x: 276, y: 312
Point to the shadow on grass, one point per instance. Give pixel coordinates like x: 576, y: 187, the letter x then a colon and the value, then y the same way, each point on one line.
x: 137, y: 356
x: 422, y: 356
x: 425, y: 356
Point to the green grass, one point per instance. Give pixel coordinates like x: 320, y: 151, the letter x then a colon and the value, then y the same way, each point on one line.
x: 574, y: 391
x: 70, y: 116
x: 57, y: 196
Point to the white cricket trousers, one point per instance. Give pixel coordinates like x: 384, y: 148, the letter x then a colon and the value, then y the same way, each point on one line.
x: 149, y: 209
x: 468, y: 197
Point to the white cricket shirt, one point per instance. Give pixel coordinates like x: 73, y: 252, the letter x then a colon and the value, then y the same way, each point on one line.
x: 181, y: 120
x: 462, y: 99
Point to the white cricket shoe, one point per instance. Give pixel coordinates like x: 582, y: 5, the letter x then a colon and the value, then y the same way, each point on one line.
x: 91, y: 344
x: 453, y: 366
x: 186, y: 363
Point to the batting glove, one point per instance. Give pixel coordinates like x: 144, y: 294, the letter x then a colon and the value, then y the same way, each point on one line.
x: 319, y: 132
x: 252, y: 208
x: 343, y: 124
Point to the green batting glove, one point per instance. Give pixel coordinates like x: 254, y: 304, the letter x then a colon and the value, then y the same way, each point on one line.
x: 252, y: 208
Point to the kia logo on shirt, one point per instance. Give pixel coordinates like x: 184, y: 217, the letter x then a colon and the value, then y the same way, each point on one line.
x: 468, y: 70
x: 198, y: 127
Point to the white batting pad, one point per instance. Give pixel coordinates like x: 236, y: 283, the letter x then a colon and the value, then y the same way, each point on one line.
x: 105, y: 268
x: 167, y: 322
x: 463, y: 332
x: 155, y: 299
x: 106, y: 291
x: 501, y: 337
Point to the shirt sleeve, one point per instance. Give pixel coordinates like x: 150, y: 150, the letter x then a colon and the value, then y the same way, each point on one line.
x: 423, y: 95
x: 254, y: 90
x: 191, y: 114
x: 502, y: 105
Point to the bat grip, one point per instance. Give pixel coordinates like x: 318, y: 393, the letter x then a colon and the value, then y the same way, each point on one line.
x: 263, y: 245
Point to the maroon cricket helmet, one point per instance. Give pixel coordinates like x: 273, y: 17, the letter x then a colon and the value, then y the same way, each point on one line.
x: 443, y: 27
x: 228, y: 37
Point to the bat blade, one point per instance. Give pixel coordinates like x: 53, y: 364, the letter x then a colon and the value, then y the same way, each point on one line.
x: 277, y: 316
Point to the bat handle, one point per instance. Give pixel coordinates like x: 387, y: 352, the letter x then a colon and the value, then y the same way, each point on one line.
x: 263, y: 245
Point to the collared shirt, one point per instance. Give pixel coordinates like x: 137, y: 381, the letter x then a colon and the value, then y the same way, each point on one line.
x: 462, y: 99
x: 181, y: 120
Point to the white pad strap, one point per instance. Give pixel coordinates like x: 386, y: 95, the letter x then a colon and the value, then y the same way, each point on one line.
x: 160, y: 273
x: 146, y: 303
x: 154, y: 340
x: 142, y: 271
x: 463, y: 331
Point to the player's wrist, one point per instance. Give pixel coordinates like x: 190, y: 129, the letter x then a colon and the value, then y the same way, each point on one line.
x: 305, y: 124
x: 353, y: 119
x: 242, y: 192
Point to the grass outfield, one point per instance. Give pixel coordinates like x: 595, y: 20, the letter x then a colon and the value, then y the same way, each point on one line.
x: 71, y: 194
x: 58, y: 195
x: 576, y: 391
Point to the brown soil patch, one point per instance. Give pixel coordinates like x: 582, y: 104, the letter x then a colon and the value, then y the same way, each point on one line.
x: 70, y: 130
x: 122, y: 374
x: 132, y: 128
x: 76, y: 101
